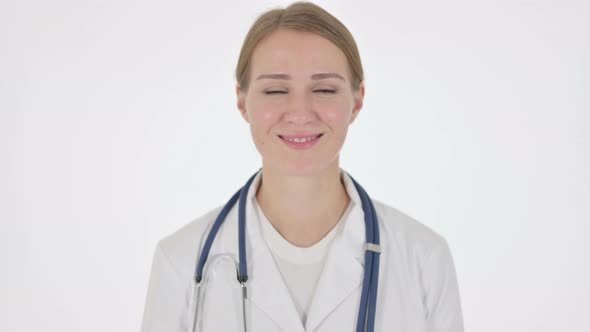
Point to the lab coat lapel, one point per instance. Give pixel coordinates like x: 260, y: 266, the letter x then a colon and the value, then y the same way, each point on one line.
x: 268, y: 292
x: 342, y: 273
x: 343, y: 269
x: 266, y: 288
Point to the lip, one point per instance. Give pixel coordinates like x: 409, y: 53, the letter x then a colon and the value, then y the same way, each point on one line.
x: 300, y: 135
x: 301, y: 145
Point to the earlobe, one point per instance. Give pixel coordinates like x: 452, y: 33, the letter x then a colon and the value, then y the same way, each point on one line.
x: 245, y: 116
x: 358, y: 102
x: 355, y: 112
x: 240, y: 103
x: 243, y: 111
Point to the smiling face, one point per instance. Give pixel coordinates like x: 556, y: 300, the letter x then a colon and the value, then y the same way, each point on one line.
x: 299, y: 88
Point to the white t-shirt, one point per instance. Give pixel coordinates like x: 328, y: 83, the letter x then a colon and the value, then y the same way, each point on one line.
x: 299, y: 267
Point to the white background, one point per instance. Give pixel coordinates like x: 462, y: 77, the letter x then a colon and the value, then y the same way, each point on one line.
x: 118, y: 125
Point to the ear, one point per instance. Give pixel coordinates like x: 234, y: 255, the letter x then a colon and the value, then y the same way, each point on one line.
x: 241, y: 102
x: 358, y: 101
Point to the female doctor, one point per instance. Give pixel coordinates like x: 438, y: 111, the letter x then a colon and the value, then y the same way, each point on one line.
x: 301, y: 246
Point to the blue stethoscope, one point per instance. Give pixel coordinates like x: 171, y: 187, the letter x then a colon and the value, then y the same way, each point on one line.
x: 366, y: 316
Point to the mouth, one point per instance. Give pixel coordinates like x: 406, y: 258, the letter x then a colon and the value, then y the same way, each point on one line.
x: 300, y: 139
x: 301, y: 142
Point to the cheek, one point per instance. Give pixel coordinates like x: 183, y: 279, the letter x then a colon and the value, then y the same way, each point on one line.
x: 336, y: 115
x: 262, y: 120
x: 263, y: 116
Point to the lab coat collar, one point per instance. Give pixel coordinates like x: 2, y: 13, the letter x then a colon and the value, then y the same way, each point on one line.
x: 342, y: 273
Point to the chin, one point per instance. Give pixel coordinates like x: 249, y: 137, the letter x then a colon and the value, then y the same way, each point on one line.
x: 299, y: 168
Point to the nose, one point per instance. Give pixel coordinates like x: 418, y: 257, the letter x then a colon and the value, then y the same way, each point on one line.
x: 299, y: 108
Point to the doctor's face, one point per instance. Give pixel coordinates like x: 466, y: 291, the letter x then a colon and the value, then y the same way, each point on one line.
x: 299, y: 102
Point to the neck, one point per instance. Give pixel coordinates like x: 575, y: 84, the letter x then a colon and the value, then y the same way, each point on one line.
x: 303, y: 209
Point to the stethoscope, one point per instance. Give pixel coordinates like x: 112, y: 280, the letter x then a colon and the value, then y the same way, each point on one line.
x: 366, y: 316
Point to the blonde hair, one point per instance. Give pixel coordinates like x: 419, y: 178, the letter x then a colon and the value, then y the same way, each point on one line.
x: 301, y: 16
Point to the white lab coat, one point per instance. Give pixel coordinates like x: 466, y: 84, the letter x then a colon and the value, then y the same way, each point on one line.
x: 418, y: 289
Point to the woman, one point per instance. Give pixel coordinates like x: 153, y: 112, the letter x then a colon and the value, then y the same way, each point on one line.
x: 299, y: 86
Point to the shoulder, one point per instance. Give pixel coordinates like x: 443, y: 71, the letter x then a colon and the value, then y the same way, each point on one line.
x: 407, y: 234
x: 423, y: 263
x: 181, y: 247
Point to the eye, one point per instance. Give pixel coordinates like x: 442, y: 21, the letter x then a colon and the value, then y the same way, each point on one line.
x: 274, y: 92
x: 325, y: 91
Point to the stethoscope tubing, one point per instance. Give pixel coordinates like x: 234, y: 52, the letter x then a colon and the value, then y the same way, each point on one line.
x: 366, y: 316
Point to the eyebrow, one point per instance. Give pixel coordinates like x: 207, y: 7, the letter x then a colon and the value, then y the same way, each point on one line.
x: 319, y: 76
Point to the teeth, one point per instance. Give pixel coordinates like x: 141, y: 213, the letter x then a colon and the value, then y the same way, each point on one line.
x: 301, y: 140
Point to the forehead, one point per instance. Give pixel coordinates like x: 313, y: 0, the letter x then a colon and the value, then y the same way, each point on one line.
x: 297, y: 52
